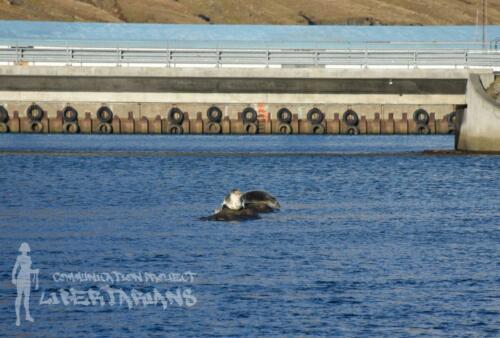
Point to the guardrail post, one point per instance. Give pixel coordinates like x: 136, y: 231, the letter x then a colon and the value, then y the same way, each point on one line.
x: 119, y: 57
x: 68, y: 57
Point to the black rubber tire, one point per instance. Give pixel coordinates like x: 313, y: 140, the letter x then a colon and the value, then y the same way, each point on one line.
x: 104, y: 114
x: 105, y: 128
x: 249, y: 115
x: 70, y: 128
x: 69, y: 114
x: 176, y: 116
x: 213, y: 128
x: 4, y: 128
x: 421, y: 116
x: 451, y: 118
x: 214, y: 114
x: 4, y: 114
x: 284, y: 128
x: 315, y: 116
x: 423, y: 129
x: 451, y: 131
x: 352, y: 130
x: 350, y: 118
x: 36, y: 127
x: 250, y: 128
x: 34, y: 112
x: 175, y: 129
x: 317, y: 129
x: 284, y: 115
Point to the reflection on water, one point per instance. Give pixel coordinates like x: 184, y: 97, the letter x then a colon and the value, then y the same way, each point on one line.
x: 394, y: 244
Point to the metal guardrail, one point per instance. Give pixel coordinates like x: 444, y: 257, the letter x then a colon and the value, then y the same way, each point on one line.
x: 259, y: 44
x: 489, y: 58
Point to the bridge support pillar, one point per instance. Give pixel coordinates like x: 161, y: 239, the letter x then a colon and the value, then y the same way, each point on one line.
x: 479, y: 125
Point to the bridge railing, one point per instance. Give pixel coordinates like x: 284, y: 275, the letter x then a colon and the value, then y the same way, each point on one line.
x: 178, y: 57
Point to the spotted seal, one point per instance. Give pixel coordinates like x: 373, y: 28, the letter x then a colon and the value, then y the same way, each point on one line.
x: 238, y: 206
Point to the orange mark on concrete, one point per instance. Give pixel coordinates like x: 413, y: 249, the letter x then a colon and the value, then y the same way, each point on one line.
x: 262, y: 114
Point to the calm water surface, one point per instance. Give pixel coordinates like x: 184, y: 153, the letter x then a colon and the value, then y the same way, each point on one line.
x: 374, y: 238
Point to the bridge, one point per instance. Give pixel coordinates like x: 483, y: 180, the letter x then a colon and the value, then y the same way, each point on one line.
x: 336, y: 82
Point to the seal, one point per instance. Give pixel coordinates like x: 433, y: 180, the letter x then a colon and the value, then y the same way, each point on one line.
x: 260, y: 201
x: 238, y: 206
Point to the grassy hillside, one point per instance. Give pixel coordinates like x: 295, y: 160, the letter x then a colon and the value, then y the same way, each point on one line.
x: 385, y: 12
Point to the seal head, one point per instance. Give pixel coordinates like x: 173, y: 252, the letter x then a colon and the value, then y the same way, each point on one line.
x: 233, y: 200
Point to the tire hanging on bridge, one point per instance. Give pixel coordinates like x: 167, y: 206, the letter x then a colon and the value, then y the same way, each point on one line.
x: 36, y: 127
x: 70, y: 128
x: 284, y: 115
x: 34, y: 112
x: 350, y: 118
x: 213, y: 128
x: 4, y: 114
x: 69, y: 114
x: 352, y: 130
x: 214, y: 114
x: 249, y: 115
x: 315, y: 116
x: 285, y: 128
x: 451, y: 118
x: 176, y: 116
x: 104, y: 114
x: 70, y: 117
x: 423, y: 129
x: 105, y: 128
x: 421, y: 116
x: 4, y: 128
x: 250, y: 128
x: 317, y: 129
x: 175, y: 129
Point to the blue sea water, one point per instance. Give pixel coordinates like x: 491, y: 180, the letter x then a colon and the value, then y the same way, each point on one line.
x: 375, y: 237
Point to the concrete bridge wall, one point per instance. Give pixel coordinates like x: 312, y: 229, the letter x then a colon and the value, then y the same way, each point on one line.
x: 374, y: 94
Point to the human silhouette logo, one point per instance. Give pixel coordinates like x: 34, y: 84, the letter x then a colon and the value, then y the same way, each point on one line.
x: 22, y: 276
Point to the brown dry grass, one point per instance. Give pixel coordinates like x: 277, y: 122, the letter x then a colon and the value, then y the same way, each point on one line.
x: 406, y: 12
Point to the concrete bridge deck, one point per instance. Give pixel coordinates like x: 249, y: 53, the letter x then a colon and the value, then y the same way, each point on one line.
x: 233, y: 86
